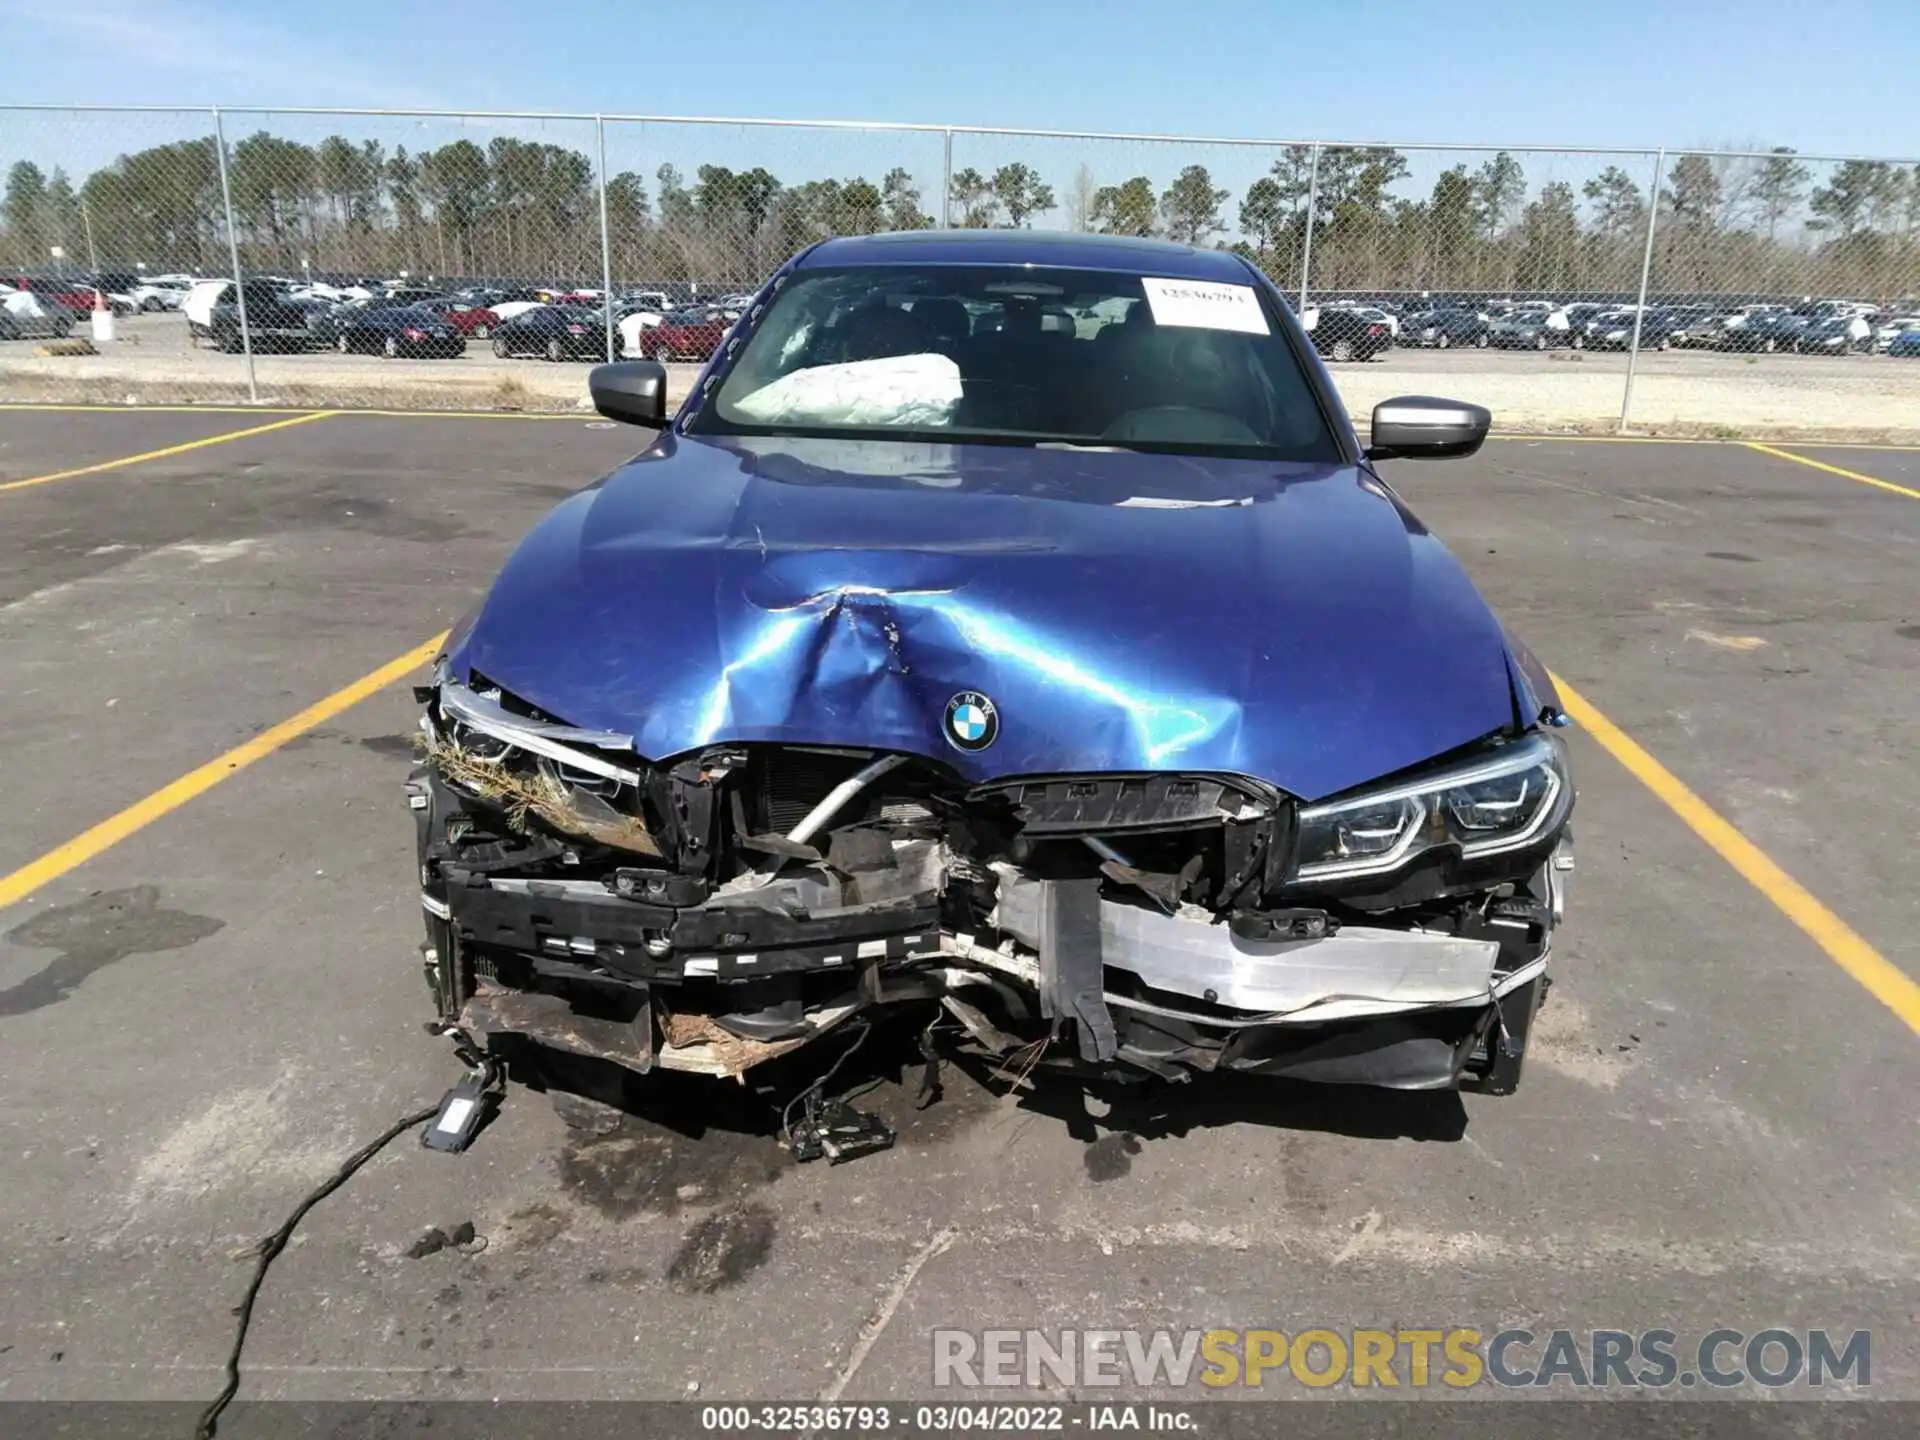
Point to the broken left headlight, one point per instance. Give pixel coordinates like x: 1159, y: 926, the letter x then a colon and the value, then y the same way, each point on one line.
x: 1482, y: 807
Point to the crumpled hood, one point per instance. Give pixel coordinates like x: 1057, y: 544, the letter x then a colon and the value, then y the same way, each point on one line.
x: 1123, y: 611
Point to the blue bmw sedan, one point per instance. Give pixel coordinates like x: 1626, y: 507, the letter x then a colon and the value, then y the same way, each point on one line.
x: 1009, y: 628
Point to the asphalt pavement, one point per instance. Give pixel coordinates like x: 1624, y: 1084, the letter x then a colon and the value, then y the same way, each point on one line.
x: 204, y: 1015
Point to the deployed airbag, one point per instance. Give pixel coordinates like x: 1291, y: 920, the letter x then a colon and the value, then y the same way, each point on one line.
x: 905, y: 390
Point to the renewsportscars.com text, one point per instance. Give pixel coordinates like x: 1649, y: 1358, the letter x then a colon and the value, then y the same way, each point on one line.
x: 1455, y: 1357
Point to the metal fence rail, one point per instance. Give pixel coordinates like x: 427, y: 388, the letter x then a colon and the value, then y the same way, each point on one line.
x: 1635, y: 250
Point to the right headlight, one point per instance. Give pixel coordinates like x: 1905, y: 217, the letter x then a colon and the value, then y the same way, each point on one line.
x: 1482, y: 807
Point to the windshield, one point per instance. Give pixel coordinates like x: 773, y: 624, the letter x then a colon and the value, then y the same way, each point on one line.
x: 1023, y: 355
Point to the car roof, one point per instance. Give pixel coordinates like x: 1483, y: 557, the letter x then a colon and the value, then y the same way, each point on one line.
x: 1030, y: 247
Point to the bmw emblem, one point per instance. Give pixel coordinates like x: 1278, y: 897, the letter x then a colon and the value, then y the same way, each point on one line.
x: 972, y: 722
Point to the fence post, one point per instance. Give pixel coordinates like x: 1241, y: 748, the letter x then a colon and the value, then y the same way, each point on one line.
x: 946, y: 185
x: 86, y: 221
x: 1306, y: 246
x: 606, y: 237
x: 1646, y: 270
x: 233, y: 254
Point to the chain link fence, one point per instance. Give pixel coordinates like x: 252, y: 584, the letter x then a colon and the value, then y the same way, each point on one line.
x: 365, y: 258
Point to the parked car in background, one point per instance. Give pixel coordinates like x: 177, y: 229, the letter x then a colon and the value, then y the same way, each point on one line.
x: 1614, y: 329
x: 275, y: 320
x: 408, y: 295
x: 1579, y: 317
x: 1767, y: 332
x: 691, y: 334
x: 1525, y: 330
x: 494, y: 296
x: 121, y: 283
x: 1701, y: 332
x: 71, y: 295
x: 634, y: 320
x: 1610, y: 330
x: 1661, y: 323
x: 1443, y: 328
x: 505, y: 310
x: 1890, y: 328
x: 559, y: 332
x: 1906, y: 344
x: 1340, y: 333
x: 161, y: 292
x: 1740, y: 318
x: 399, y: 330
x: 25, y: 315
x: 1834, y: 335
x: 1385, y: 317
x: 475, y: 321
x: 198, y: 305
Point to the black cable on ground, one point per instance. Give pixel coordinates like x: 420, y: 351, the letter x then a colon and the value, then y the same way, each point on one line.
x: 820, y: 1085
x: 271, y: 1247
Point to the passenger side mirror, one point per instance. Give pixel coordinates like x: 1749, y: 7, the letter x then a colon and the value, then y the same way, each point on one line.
x: 634, y: 392
x: 1422, y: 427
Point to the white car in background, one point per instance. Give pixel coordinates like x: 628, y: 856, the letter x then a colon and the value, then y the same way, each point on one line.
x: 25, y: 315
x: 509, y: 309
x: 638, y: 313
x: 161, y: 292
x: 633, y: 325
x: 198, y: 304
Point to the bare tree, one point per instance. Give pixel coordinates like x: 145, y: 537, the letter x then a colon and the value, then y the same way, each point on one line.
x: 1080, y: 198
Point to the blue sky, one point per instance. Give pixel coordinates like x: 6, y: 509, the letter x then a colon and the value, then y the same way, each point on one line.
x: 1835, y: 75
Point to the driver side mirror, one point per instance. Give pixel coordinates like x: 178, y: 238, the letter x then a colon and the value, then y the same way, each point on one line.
x: 634, y: 392
x: 1422, y: 427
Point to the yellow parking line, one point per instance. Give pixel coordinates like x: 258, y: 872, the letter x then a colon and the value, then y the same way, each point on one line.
x: 1884, y: 980
x: 111, y: 831
x: 163, y: 454
x: 1911, y: 494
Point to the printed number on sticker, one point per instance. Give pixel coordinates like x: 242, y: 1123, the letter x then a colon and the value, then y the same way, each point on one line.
x: 1206, y: 305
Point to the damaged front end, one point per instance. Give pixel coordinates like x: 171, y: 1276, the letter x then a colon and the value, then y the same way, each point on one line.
x: 712, y: 911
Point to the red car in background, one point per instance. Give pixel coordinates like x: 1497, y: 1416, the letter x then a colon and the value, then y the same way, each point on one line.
x: 68, y: 294
x: 475, y: 322
x: 686, y: 335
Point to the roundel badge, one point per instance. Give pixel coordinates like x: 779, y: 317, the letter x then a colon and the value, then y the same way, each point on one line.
x: 972, y: 722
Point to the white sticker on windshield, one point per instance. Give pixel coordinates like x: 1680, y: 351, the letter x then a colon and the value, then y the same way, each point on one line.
x: 1206, y: 305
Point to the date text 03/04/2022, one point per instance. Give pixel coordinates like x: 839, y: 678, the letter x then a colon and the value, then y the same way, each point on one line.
x: 939, y: 1419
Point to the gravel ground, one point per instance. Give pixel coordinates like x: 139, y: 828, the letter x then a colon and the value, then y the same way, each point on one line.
x: 1675, y: 393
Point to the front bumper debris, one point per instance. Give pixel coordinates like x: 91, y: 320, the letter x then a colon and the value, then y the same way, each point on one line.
x: 718, y: 913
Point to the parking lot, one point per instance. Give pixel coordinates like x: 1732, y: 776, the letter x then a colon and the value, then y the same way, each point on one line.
x: 1676, y: 392
x: 210, y: 999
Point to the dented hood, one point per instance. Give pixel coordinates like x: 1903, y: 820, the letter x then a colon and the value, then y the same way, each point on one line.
x: 1122, y: 611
